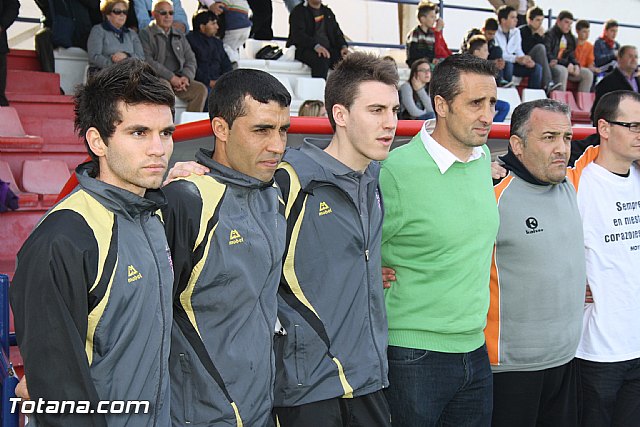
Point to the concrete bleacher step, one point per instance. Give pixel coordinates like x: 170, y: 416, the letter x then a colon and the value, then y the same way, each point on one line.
x: 33, y: 82
x: 19, y: 59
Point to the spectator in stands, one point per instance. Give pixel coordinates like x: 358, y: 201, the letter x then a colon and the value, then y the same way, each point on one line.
x: 8, y: 14
x: 237, y: 25
x: 584, y: 48
x: 516, y: 62
x: 532, y: 32
x: 519, y: 63
x: 212, y: 60
x: 319, y: 42
x: 477, y: 46
x: 169, y: 53
x: 426, y: 39
x: 144, y: 13
x: 391, y: 59
x: 439, y: 228
x: 532, y: 346
x: 495, y: 52
x: 609, y: 351
x: 606, y: 47
x: 520, y: 6
x: 84, y: 14
x: 102, y: 301
x: 561, y: 46
x: 312, y: 108
x: 623, y: 77
x: 415, y: 103
x: 111, y: 41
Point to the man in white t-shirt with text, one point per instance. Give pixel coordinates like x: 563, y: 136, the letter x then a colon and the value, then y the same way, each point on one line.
x: 608, y: 182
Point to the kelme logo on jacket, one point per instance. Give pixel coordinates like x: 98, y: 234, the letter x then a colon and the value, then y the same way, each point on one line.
x: 235, y: 237
x: 324, y: 209
x: 133, y: 274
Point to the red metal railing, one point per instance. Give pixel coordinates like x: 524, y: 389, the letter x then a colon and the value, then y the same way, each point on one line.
x: 321, y: 126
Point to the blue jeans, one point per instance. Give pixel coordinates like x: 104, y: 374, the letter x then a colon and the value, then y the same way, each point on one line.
x: 610, y: 393
x: 535, y: 74
x: 502, y: 109
x: 429, y: 388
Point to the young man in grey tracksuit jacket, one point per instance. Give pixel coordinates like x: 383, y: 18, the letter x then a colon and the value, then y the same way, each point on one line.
x: 331, y: 364
x: 92, y: 290
x: 226, y: 232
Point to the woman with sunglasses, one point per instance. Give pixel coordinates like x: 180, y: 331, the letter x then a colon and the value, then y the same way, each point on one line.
x: 111, y: 41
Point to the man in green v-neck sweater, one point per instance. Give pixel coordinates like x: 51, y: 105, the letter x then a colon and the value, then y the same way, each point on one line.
x: 439, y: 229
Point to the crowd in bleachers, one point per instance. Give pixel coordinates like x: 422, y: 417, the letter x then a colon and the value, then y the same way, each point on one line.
x: 525, y: 54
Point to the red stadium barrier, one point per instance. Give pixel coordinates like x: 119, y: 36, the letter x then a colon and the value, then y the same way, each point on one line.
x: 321, y: 126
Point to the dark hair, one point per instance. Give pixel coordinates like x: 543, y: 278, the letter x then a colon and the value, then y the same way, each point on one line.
x: 582, y: 23
x: 202, y: 17
x: 491, y: 24
x: 131, y: 81
x: 416, y: 64
x: 534, y: 12
x: 565, y: 14
x: 425, y: 7
x: 358, y: 67
x: 475, y: 43
x: 504, y: 11
x: 607, y: 106
x: 624, y: 50
x: 610, y: 24
x: 522, y: 113
x: 227, y: 96
x: 446, y: 76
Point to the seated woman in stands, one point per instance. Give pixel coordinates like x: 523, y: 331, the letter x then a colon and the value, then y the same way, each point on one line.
x: 415, y: 103
x: 111, y: 41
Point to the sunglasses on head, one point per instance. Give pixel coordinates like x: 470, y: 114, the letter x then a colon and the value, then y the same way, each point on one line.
x: 165, y: 12
x: 119, y: 11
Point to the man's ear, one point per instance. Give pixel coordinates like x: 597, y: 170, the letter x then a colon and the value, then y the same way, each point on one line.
x: 604, y: 128
x: 220, y: 129
x: 95, y: 142
x: 441, y: 106
x: 340, y: 114
x: 517, y: 145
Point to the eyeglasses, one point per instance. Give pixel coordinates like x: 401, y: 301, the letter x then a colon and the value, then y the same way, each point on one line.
x: 119, y: 11
x: 632, y: 126
x: 165, y: 12
x: 424, y: 71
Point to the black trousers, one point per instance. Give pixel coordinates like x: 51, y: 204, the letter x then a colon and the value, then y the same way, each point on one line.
x: 549, y: 397
x: 610, y: 393
x: 44, y: 50
x: 3, y: 80
x: 319, y: 65
x: 262, y: 19
x: 370, y: 410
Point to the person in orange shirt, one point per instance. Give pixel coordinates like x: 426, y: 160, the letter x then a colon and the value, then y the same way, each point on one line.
x: 584, y: 49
